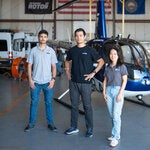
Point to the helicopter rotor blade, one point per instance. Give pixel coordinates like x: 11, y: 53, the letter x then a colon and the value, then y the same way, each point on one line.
x: 65, y: 5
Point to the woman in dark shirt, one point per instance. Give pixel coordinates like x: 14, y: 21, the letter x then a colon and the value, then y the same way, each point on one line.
x: 115, y: 79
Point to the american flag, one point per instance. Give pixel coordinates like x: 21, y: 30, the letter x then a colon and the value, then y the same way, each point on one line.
x: 81, y: 7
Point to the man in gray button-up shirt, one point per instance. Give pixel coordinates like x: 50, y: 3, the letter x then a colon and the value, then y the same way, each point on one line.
x: 41, y: 72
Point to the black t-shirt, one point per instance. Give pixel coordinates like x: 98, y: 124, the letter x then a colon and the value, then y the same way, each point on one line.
x: 82, y: 62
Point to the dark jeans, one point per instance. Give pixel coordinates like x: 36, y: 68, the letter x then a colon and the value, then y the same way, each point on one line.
x: 83, y: 90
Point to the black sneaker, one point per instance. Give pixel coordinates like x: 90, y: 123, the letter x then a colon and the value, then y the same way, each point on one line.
x: 89, y: 133
x: 28, y: 128
x: 72, y: 130
x: 52, y: 127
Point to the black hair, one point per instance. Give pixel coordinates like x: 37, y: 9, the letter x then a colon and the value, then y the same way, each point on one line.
x: 43, y: 32
x: 80, y: 30
x: 118, y: 49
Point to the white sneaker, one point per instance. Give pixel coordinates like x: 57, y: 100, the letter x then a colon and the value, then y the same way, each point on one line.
x: 114, y: 142
x: 110, y: 138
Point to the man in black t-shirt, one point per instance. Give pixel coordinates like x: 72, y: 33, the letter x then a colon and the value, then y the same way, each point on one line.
x: 81, y: 58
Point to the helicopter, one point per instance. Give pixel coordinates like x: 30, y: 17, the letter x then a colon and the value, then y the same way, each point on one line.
x: 135, y: 58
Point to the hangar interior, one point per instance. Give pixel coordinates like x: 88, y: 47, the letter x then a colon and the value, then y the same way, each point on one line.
x: 15, y: 95
x: 13, y: 16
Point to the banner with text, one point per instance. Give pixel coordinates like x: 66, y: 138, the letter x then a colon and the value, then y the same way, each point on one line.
x: 38, y: 6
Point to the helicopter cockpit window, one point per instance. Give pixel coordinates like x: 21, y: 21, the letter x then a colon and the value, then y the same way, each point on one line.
x: 133, y: 58
x: 147, y: 59
x: 127, y: 54
x: 140, y: 57
x: 133, y: 55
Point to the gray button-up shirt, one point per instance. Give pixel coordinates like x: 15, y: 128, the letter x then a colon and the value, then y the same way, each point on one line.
x: 42, y: 61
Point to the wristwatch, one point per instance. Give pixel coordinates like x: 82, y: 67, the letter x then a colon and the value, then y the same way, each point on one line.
x: 53, y: 78
x: 94, y: 72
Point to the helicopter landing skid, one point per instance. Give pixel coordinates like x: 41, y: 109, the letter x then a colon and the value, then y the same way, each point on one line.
x: 140, y: 102
x: 64, y: 103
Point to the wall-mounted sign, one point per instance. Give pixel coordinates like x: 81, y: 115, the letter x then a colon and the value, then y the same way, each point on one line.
x: 38, y: 6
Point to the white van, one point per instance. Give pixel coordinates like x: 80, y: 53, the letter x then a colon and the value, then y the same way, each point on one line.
x: 5, y: 49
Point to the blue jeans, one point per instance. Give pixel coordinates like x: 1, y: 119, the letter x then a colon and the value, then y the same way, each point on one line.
x: 115, y: 109
x: 35, y: 99
x: 59, y: 67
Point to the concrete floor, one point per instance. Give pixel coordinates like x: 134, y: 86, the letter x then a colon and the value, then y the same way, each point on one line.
x: 14, y: 113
